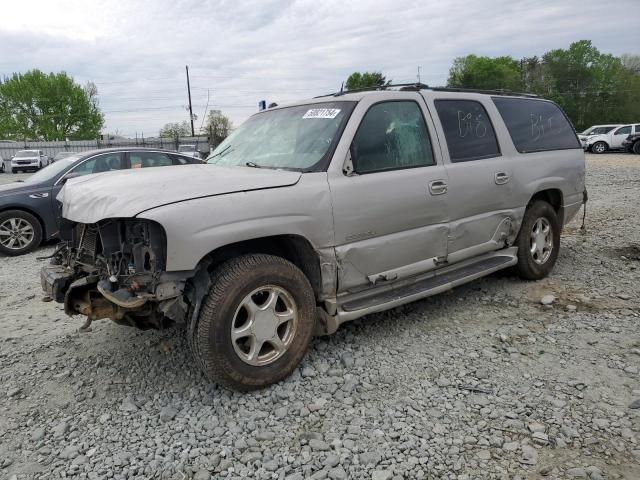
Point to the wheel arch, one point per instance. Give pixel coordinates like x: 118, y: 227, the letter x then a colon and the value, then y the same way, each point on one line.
x: 294, y: 248
x: 552, y: 196
x: 45, y: 233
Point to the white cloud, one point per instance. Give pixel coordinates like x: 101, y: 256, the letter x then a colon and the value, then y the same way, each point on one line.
x: 279, y: 50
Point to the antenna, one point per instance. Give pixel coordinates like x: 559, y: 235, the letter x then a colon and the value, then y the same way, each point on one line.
x: 419, y: 67
x: 342, y: 88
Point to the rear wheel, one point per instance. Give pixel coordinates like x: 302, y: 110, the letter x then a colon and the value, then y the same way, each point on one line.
x: 538, y: 241
x: 20, y: 232
x: 256, y: 323
x: 636, y: 147
x: 599, y: 147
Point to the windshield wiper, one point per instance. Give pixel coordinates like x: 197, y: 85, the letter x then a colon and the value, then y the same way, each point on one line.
x: 221, y: 152
x: 252, y: 164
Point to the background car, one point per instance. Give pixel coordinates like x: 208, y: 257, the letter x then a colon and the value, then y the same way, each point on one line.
x: 61, y: 155
x: 632, y: 143
x: 26, y: 160
x: 190, y: 150
x: 29, y: 212
x: 611, y: 139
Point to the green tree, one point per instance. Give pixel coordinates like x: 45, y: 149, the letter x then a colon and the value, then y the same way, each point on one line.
x: 499, y: 73
x: 173, y: 130
x: 39, y: 106
x: 359, y: 80
x: 592, y: 87
x: 218, y: 127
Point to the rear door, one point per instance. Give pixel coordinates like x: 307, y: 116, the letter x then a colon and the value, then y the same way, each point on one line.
x: 619, y: 135
x: 480, y: 195
x: 390, y: 216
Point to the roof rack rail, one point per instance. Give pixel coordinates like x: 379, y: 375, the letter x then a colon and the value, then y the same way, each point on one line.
x: 421, y: 86
x: 479, y: 90
x: 401, y: 86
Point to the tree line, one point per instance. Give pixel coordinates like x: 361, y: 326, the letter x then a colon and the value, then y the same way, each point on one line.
x: 592, y: 87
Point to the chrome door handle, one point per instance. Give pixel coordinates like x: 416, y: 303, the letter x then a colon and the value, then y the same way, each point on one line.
x: 501, y: 178
x: 437, y: 187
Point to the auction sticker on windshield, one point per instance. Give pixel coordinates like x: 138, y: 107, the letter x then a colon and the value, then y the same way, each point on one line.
x: 322, y: 113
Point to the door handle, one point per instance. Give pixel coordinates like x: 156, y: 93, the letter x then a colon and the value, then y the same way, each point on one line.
x: 501, y: 178
x: 437, y: 187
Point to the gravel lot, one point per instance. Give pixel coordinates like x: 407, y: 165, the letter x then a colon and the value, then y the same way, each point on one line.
x: 483, y: 382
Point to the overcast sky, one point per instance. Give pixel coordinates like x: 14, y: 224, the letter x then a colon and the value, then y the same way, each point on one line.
x: 243, y: 51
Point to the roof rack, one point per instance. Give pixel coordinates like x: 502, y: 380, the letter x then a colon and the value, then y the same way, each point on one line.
x: 487, y: 92
x: 421, y: 86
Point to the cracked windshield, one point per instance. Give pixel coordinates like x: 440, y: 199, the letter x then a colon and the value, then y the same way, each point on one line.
x: 294, y: 138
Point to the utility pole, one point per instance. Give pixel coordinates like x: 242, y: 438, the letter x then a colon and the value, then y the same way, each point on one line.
x: 193, y: 133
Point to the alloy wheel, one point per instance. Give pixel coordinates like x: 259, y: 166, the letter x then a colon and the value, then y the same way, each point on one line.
x: 541, y: 244
x: 264, y: 325
x: 16, y: 233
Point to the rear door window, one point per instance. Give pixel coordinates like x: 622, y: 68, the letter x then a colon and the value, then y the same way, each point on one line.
x: 468, y: 130
x: 536, y: 125
x: 623, y: 130
x: 149, y: 159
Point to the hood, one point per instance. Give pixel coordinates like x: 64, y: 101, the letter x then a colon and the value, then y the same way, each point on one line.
x: 19, y: 187
x: 127, y: 193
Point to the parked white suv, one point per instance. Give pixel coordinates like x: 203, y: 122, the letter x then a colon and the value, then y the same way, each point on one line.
x: 316, y: 213
x: 601, y: 138
x: 29, y: 160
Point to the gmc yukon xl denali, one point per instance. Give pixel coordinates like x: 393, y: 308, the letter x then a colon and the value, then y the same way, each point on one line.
x: 320, y: 212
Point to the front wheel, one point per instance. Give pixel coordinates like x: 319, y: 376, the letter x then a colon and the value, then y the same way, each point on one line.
x: 20, y: 232
x: 256, y: 322
x: 599, y: 147
x: 538, y: 241
x: 636, y: 147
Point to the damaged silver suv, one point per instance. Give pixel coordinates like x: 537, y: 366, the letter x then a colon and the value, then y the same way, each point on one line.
x: 320, y: 212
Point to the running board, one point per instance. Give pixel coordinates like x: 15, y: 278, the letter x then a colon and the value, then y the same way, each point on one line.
x: 356, y: 305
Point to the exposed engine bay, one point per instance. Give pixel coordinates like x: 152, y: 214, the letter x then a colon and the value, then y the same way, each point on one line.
x: 115, y: 269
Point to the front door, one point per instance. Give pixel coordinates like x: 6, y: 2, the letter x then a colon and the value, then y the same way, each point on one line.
x: 390, y: 215
x: 480, y: 179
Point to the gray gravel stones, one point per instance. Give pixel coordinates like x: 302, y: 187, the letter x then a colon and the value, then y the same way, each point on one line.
x: 480, y: 383
x: 547, y: 299
x: 168, y: 413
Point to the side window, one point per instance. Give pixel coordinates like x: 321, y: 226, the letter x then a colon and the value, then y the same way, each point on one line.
x: 536, y: 125
x: 637, y: 128
x: 623, y: 130
x: 101, y: 163
x: 468, y: 130
x: 149, y: 159
x: 392, y: 135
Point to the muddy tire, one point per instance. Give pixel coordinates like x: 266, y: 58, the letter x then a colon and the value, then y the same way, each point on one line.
x: 256, y: 322
x: 636, y: 148
x: 20, y: 232
x: 538, y: 241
